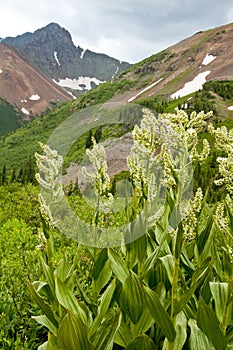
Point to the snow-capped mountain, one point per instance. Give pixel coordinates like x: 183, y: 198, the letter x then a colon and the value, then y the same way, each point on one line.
x: 51, y: 50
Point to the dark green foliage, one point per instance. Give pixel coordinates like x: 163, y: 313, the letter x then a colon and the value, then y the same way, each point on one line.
x: 223, y: 88
x: 10, y: 117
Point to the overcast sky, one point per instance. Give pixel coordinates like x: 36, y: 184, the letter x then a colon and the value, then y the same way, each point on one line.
x: 129, y: 30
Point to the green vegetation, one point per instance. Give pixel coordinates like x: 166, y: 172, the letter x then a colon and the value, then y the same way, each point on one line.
x: 167, y: 289
x: 10, y: 117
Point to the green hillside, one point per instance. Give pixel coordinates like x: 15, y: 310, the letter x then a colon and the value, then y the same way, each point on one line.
x: 10, y: 117
x: 21, y: 144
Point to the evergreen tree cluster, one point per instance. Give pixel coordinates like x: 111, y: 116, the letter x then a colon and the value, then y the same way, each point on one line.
x: 25, y: 174
x: 223, y: 88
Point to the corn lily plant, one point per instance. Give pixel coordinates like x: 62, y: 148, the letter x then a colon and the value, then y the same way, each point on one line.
x: 171, y: 288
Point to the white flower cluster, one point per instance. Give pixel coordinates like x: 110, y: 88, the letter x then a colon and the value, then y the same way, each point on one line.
x: 220, y: 219
x: 188, y: 127
x: 50, y: 166
x: 190, y: 221
x: 41, y: 240
x: 99, y: 177
x: 223, y: 224
x: 49, y: 178
x: 224, y: 142
x: 145, y: 154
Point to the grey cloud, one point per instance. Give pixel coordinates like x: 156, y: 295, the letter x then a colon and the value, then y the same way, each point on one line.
x: 126, y: 29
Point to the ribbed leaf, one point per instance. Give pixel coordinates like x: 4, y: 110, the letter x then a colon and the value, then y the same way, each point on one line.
x: 132, y: 299
x: 118, y: 265
x: 159, y: 314
x: 44, y: 321
x: 207, y: 321
x: 145, y: 322
x: 105, y: 335
x: 103, y: 277
x: 63, y: 269
x: 197, y: 340
x: 68, y: 300
x: 43, y: 346
x: 43, y: 305
x: 197, y: 279
x: 204, y: 237
x: 100, y: 262
x: 168, y: 262
x: 105, y: 302
x: 123, y: 335
x: 143, y: 342
x: 219, y: 291
x: 72, y: 334
x: 181, y: 331
x: 106, y: 298
x: 49, y: 276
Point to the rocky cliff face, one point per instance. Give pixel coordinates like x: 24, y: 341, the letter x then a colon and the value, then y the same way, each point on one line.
x: 52, y: 51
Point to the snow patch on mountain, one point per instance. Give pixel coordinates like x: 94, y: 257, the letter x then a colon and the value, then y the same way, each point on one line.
x: 81, y: 83
x: 25, y: 111
x: 145, y: 89
x: 82, y: 54
x: 230, y: 108
x: 1, y: 70
x: 192, y: 86
x: 116, y: 71
x: 56, y: 58
x: 70, y: 93
x: 34, y: 97
x: 208, y: 59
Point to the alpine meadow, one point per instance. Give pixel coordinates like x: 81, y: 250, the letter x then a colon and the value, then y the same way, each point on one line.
x: 116, y: 195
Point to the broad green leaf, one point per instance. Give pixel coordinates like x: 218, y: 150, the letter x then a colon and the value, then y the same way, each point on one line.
x: 143, y: 342
x: 51, y: 344
x: 132, y: 299
x: 105, y: 302
x: 106, y: 298
x: 43, y: 346
x: 49, y: 276
x: 43, y: 305
x: 123, y: 335
x: 44, y: 321
x: 118, y: 265
x: 150, y: 261
x: 140, y: 238
x: 72, y: 334
x: 159, y: 314
x: 197, y: 340
x: 62, y: 270
x: 197, y: 279
x: 103, y: 277
x: 105, y: 335
x: 204, y: 241
x: 181, y: 334
x: 145, y: 322
x: 207, y: 321
x: 219, y: 292
x: 168, y: 261
x: 67, y: 299
x: 100, y: 262
x: 181, y: 331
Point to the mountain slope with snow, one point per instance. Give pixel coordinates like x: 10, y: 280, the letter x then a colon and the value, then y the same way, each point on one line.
x: 23, y: 86
x: 52, y: 51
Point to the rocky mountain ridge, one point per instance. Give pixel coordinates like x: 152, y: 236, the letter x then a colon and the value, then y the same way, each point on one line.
x: 51, y: 50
